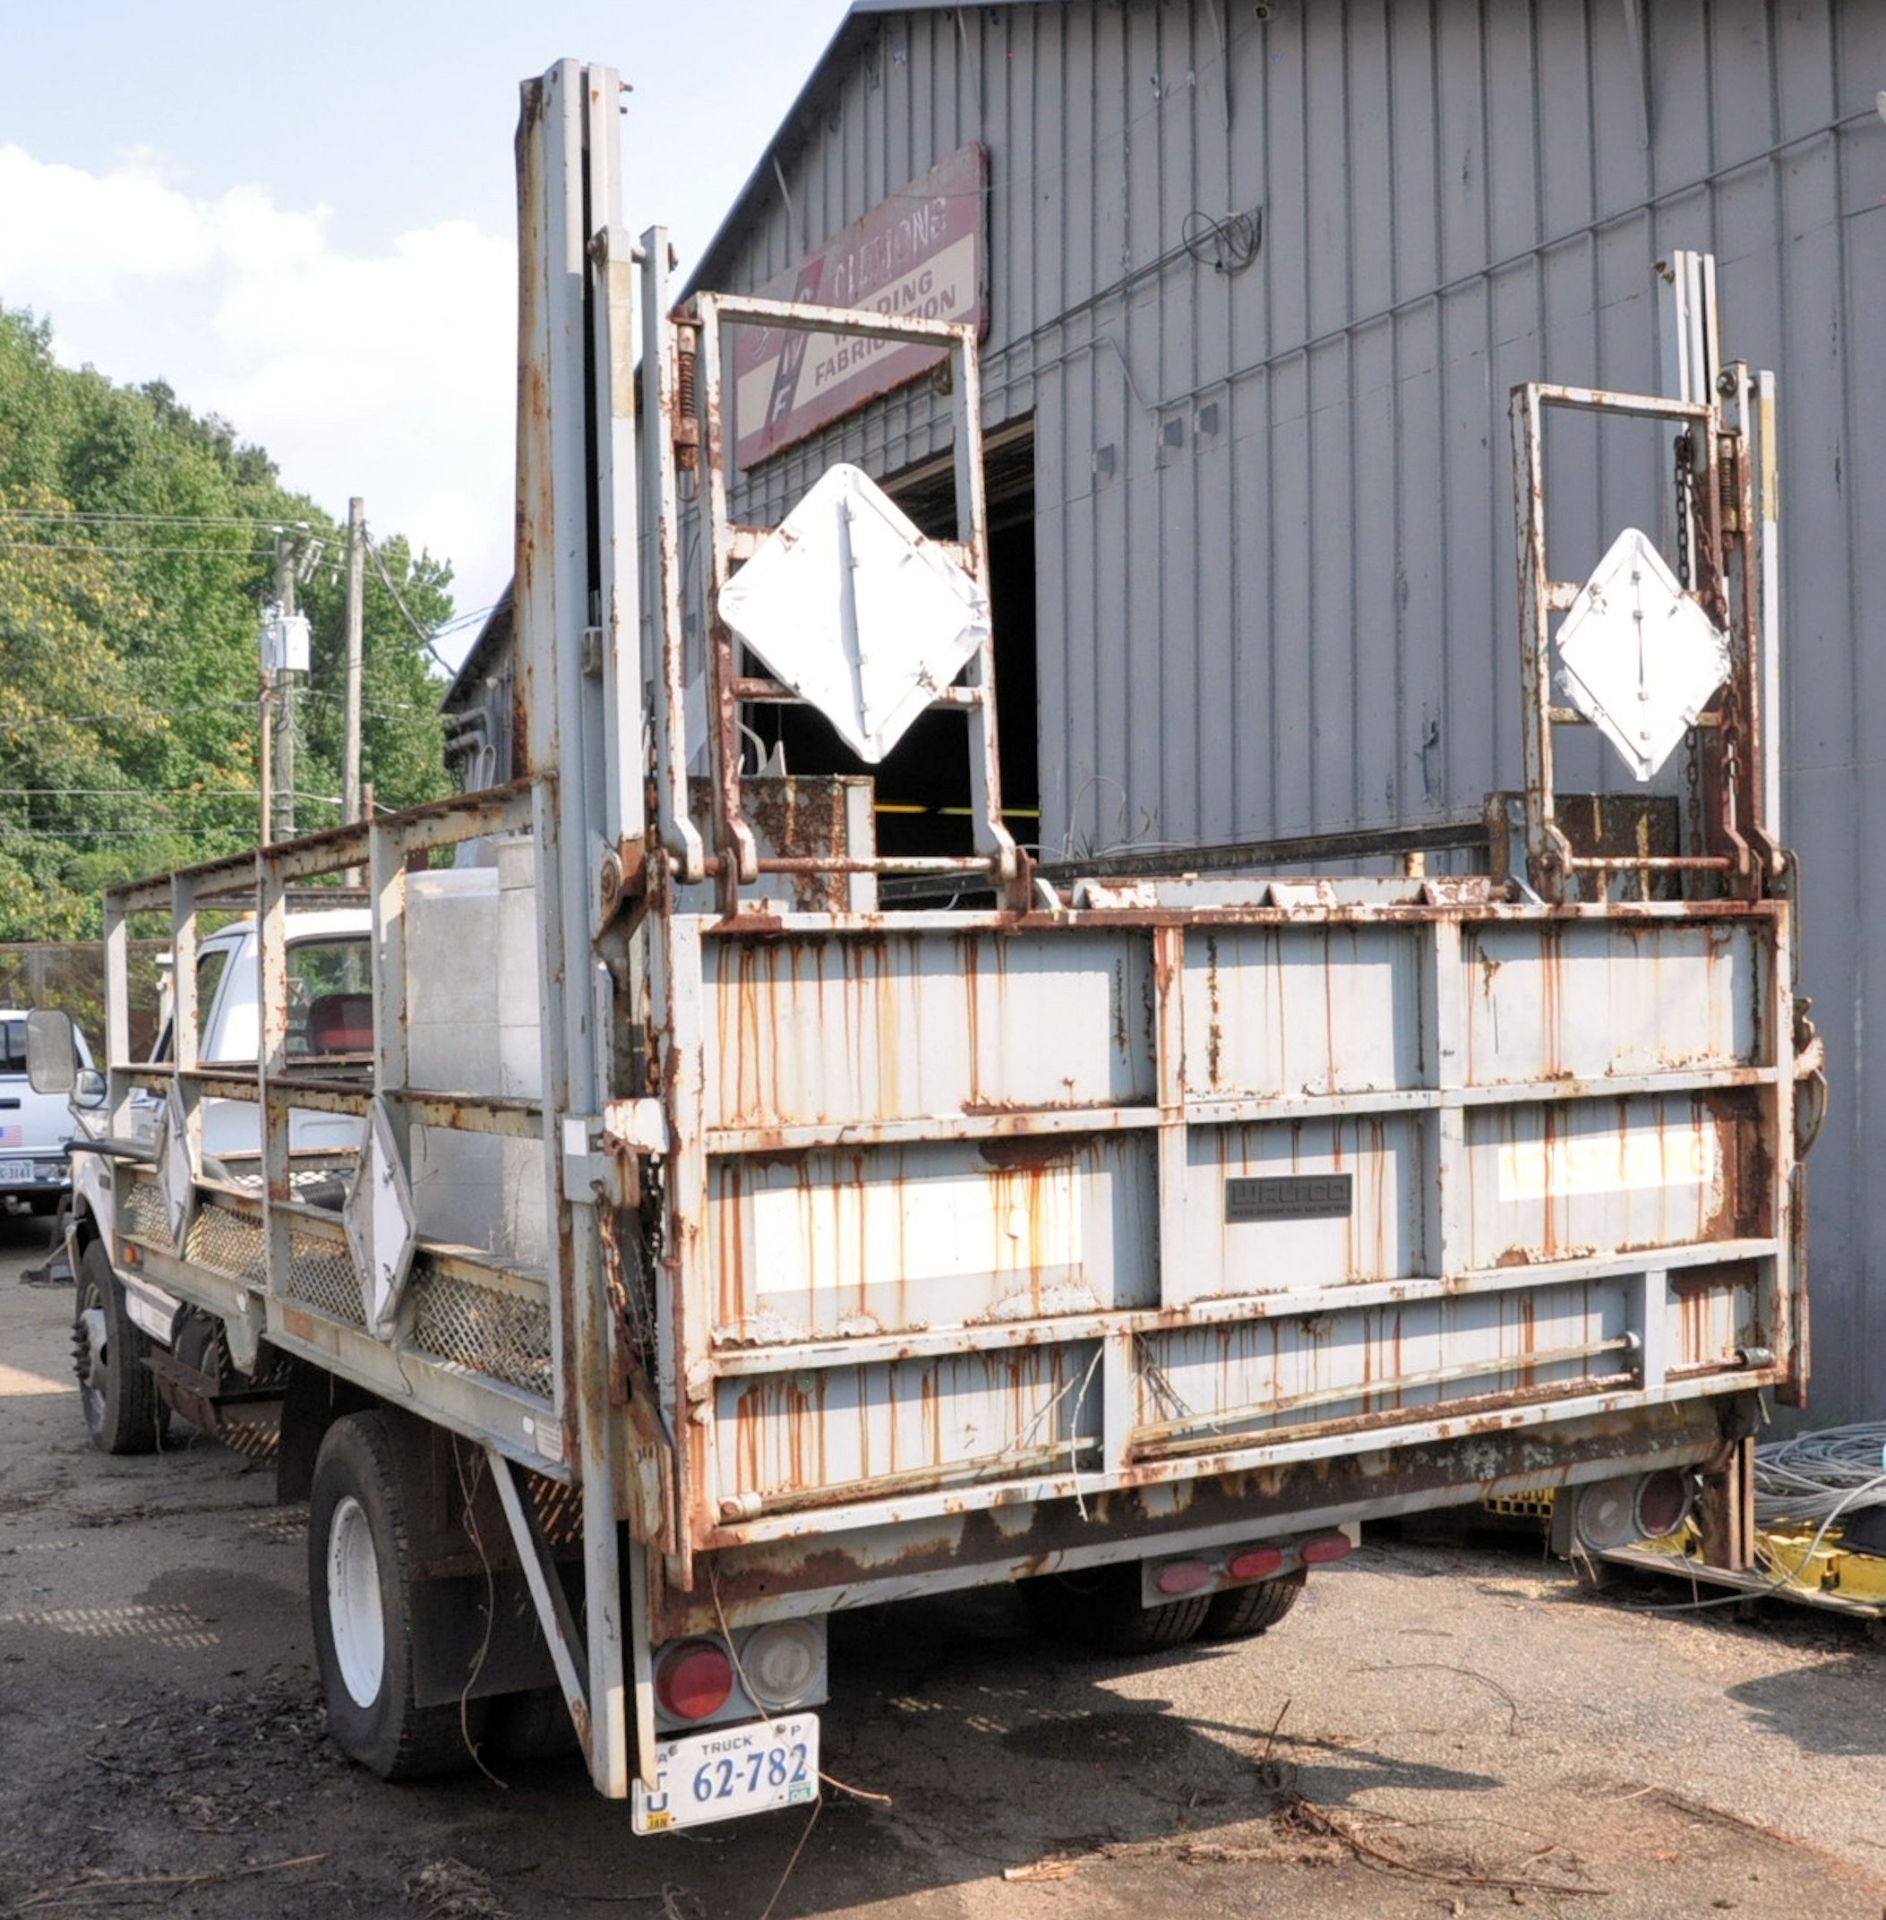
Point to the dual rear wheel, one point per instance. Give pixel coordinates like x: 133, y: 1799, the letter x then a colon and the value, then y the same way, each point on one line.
x: 364, y: 1599
x: 362, y: 1591
x: 1099, y: 1608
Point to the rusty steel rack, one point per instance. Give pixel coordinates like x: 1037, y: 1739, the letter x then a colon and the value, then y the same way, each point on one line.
x: 682, y: 387
x: 1724, y: 462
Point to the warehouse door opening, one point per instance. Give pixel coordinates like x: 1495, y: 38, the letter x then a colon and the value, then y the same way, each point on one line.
x: 923, y: 782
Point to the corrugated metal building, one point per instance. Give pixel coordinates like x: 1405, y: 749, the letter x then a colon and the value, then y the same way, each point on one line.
x: 1254, y: 552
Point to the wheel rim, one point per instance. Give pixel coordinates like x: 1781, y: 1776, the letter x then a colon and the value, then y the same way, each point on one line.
x: 91, y: 1356
x: 355, y: 1622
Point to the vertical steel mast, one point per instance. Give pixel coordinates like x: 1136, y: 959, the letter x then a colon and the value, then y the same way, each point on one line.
x: 577, y: 606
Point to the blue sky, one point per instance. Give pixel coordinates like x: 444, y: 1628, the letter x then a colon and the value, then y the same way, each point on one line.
x: 304, y: 220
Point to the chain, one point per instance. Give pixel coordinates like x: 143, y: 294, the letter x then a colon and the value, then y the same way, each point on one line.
x: 1692, y: 753
x: 626, y: 1281
x: 1685, y: 495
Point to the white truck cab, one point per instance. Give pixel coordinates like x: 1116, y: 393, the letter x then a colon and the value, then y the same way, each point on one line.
x: 330, y: 1014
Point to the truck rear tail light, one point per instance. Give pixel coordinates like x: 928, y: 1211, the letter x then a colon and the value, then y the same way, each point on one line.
x: 1663, y: 1503
x: 1255, y: 1563
x: 693, y: 1679
x: 1321, y: 1548
x: 1182, y: 1576
x: 783, y: 1664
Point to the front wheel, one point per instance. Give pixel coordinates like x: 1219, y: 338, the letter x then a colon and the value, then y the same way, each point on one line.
x: 117, y: 1391
x: 361, y: 1590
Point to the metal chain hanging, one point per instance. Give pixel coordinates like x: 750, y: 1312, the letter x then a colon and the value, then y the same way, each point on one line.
x: 1692, y: 754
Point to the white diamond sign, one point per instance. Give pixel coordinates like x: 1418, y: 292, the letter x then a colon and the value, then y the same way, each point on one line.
x: 1637, y: 656
x: 382, y: 1229
x: 859, y: 614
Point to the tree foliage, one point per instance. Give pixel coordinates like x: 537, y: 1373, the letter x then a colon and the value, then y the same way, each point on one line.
x: 135, y: 557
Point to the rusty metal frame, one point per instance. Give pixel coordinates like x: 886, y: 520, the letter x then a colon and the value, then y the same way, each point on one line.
x: 1135, y: 1456
x: 1553, y: 866
x: 1735, y: 584
x: 725, y: 545
x: 570, y: 300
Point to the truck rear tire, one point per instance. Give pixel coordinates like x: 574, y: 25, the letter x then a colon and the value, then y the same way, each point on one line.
x: 1099, y: 1608
x: 117, y: 1391
x: 1239, y: 1613
x: 360, y: 1590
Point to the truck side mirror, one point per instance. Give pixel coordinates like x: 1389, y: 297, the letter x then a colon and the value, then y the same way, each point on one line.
x: 91, y: 1090
x: 52, y: 1051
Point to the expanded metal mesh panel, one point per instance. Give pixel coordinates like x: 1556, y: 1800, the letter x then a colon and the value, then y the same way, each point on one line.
x: 228, y: 1243
x: 141, y: 1212
x: 321, y: 1275
x: 505, y: 1336
x: 558, y: 1508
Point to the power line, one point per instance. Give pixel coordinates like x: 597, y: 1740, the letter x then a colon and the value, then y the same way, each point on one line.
x: 123, y: 719
x: 92, y: 546
x: 424, y: 638
x: 138, y: 793
x: 112, y: 515
x: 118, y: 835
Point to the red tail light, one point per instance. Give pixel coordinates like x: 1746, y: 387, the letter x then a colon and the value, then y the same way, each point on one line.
x: 693, y: 1679
x: 1321, y: 1548
x: 1183, y: 1576
x: 1256, y: 1563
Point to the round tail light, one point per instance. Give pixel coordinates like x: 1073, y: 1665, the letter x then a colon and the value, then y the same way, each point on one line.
x: 1663, y: 1503
x: 1321, y: 1548
x: 693, y: 1679
x: 781, y: 1664
x: 1255, y: 1563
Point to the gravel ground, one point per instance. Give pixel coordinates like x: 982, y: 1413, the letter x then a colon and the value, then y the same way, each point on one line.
x: 1435, y: 1730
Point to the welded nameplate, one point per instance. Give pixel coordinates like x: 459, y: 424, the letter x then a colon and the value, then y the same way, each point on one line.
x: 1291, y: 1196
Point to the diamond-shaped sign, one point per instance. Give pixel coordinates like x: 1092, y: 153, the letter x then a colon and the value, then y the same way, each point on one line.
x: 1637, y: 656
x: 856, y: 611
x: 176, y: 1175
x: 381, y: 1224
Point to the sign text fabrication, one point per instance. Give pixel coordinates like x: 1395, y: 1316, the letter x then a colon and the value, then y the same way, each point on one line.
x: 918, y: 254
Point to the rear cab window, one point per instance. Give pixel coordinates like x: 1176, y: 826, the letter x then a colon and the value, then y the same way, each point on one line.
x: 330, y: 998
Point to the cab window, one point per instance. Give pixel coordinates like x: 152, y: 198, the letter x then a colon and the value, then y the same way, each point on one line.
x: 330, y: 998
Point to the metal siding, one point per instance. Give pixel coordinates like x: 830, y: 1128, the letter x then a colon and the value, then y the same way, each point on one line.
x: 1305, y: 618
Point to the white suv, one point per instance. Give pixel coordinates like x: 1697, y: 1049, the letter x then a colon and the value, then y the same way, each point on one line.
x: 34, y: 1127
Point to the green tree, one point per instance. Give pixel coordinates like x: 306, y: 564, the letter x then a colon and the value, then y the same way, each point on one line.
x: 135, y: 557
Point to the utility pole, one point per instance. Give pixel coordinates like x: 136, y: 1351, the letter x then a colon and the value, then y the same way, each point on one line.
x: 266, y: 757
x: 285, y: 600
x: 356, y: 580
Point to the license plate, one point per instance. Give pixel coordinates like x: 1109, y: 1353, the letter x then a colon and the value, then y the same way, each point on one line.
x: 728, y: 1771
x: 16, y: 1173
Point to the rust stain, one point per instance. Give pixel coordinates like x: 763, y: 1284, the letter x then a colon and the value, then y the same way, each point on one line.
x: 1215, y: 1030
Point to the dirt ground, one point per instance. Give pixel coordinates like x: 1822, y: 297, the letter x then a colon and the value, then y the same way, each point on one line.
x: 1433, y: 1731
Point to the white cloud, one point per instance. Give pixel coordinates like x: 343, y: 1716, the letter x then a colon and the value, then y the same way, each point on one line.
x: 386, y: 374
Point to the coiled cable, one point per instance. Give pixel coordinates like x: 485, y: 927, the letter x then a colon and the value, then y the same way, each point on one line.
x: 1815, y: 1476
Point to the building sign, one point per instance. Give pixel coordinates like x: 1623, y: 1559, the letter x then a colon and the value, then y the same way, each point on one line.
x: 920, y: 253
